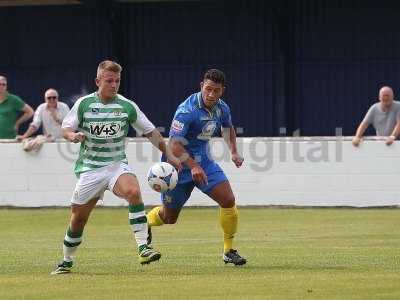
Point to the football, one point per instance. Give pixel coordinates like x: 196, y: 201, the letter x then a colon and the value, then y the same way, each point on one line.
x: 162, y: 177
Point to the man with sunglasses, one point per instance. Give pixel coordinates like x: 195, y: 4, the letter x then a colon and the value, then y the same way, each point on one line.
x: 11, y: 106
x: 49, y: 114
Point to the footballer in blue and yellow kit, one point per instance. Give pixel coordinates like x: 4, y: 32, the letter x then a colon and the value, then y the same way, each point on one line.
x: 200, y: 117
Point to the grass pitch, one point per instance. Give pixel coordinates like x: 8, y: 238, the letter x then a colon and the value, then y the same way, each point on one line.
x: 292, y: 254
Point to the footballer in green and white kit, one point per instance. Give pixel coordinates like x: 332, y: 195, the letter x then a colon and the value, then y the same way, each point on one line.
x: 100, y: 122
x: 105, y: 126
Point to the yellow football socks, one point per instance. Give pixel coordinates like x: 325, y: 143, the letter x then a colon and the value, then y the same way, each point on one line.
x: 228, y: 218
x: 153, y: 218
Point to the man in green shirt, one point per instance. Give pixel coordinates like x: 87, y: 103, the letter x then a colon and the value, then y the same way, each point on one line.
x: 100, y: 122
x: 10, y: 108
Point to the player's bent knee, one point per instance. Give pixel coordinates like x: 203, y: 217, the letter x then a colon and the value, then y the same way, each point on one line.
x: 228, y: 201
x: 132, y: 195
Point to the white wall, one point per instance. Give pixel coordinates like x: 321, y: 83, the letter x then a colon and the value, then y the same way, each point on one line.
x: 305, y: 172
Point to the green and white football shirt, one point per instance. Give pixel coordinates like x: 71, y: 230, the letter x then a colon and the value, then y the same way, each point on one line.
x: 105, y: 125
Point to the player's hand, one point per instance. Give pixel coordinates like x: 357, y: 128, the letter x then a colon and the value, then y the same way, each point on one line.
x: 198, y: 175
x: 237, y: 160
x: 390, y: 140
x: 16, y: 128
x: 78, y: 137
x: 356, y: 141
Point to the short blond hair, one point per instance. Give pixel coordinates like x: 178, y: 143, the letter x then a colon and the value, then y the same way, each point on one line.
x: 108, y: 65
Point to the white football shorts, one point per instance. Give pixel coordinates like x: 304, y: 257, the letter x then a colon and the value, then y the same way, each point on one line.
x: 92, y: 184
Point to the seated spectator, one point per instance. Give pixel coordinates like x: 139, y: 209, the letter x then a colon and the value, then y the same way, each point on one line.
x: 10, y: 108
x: 384, y: 117
x: 49, y: 114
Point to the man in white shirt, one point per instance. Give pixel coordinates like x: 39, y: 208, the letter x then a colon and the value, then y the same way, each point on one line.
x: 49, y: 114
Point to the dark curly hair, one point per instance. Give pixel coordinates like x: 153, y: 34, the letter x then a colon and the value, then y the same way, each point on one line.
x: 215, y: 75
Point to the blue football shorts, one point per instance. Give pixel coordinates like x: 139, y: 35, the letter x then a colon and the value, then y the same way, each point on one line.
x: 177, y: 198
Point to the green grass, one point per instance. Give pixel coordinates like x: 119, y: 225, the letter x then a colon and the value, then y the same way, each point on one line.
x: 292, y: 254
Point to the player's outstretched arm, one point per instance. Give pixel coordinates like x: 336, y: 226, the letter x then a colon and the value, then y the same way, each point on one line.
x: 72, y: 136
x: 229, y: 136
x: 157, y: 141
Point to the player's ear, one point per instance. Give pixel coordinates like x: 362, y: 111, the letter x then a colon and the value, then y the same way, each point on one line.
x: 97, y: 81
x: 201, y: 85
